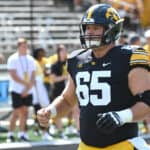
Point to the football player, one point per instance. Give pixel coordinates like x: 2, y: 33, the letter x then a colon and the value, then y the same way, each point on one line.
x: 110, y: 83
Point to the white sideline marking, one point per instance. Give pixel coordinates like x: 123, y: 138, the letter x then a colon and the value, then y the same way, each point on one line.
x: 55, y: 142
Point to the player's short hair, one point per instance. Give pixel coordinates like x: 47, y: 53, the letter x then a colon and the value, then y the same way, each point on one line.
x: 21, y: 40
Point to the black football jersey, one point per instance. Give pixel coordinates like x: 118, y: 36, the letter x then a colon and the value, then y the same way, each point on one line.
x: 102, y: 86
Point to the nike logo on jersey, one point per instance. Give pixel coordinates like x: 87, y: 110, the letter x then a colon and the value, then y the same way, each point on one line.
x: 106, y: 64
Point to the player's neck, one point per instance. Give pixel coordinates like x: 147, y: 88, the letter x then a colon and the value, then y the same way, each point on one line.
x: 22, y: 52
x: 102, y: 51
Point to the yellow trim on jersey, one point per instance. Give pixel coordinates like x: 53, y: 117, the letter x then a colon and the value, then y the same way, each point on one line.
x: 139, y: 57
x: 111, y: 12
x: 125, y: 145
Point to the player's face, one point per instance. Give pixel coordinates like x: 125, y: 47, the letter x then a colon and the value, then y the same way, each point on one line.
x: 41, y: 54
x: 63, y: 54
x: 93, y: 34
x: 23, y: 48
x: 94, y: 30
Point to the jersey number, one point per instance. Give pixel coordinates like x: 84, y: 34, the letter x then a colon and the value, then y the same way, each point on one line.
x: 84, y: 92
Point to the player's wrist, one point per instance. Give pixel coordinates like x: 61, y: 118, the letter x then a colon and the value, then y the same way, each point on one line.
x: 53, y: 111
x: 126, y: 115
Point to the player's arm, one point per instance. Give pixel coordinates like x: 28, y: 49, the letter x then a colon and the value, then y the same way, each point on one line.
x: 67, y: 100
x: 15, y: 77
x: 56, y: 78
x: 32, y: 80
x: 139, y: 83
x: 62, y: 105
x: 29, y: 85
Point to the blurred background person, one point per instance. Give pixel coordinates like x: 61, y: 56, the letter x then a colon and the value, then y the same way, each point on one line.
x: 44, y: 63
x: 40, y: 95
x: 123, y: 40
x: 147, y: 37
x: 58, y: 77
x: 135, y: 40
x: 130, y: 10
x: 47, y: 71
x: 144, y: 18
x: 21, y: 67
x: 2, y: 58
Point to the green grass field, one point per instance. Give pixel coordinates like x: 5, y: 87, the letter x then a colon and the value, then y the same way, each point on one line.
x: 32, y: 136
x: 35, y: 138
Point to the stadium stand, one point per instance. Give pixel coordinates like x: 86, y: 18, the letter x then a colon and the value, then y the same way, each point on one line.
x: 41, y: 22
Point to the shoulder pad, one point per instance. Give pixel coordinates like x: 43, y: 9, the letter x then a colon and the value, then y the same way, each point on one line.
x: 135, y: 47
x: 126, y: 47
x: 76, y: 53
x: 139, y: 57
x: 140, y: 50
x: 130, y: 47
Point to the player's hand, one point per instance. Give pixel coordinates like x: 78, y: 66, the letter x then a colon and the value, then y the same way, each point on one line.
x: 43, y: 116
x: 108, y: 122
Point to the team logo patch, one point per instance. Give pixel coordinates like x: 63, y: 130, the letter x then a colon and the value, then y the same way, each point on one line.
x: 106, y: 64
x: 112, y: 14
x: 93, y: 63
x: 79, y: 65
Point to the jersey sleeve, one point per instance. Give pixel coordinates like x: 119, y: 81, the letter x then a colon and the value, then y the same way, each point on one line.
x: 72, y: 58
x: 140, y: 58
x: 71, y: 61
